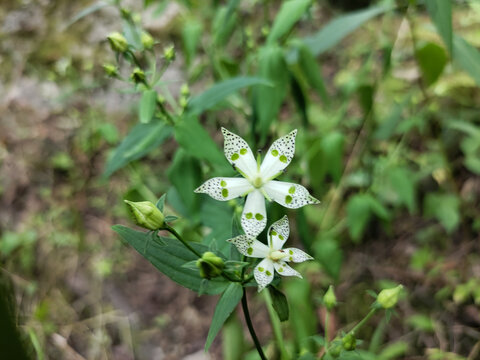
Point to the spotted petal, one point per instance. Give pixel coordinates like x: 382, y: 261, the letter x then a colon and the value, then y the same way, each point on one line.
x: 296, y: 255
x: 283, y: 269
x: 239, y: 154
x: 263, y: 273
x: 224, y: 189
x: 288, y: 194
x: 278, y: 233
x: 250, y: 247
x: 254, y: 215
x: 279, y: 155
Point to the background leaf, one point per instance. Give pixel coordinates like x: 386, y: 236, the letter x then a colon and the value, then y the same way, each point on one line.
x: 141, y: 140
x: 441, y: 13
x: 467, y: 57
x: 227, y: 303
x: 290, y: 12
x: 280, y: 303
x: 221, y: 91
x: 148, y: 103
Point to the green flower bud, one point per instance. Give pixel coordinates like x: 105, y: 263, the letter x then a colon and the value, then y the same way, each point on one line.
x: 138, y: 76
x: 335, y: 351
x: 349, y: 342
x: 169, y: 53
x: 388, y: 298
x: 147, y: 40
x: 126, y: 14
x: 118, y: 42
x: 210, y: 265
x: 185, y: 90
x: 183, y: 102
x: 329, y: 299
x: 146, y: 214
x: 110, y: 70
x: 160, y: 100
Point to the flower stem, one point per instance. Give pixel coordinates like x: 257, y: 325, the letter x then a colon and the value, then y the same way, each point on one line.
x: 177, y: 235
x: 250, y: 325
x: 277, y: 330
x: 327, y: 318
x: 363, y: 321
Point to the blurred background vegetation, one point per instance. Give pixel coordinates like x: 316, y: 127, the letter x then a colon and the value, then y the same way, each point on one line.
x: 385, y: 97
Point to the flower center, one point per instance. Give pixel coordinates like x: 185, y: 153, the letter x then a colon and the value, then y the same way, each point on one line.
x: 277, y: 255
x: 257, y: 183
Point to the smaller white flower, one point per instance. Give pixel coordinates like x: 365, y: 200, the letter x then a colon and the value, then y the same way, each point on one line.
x: 274, y: 257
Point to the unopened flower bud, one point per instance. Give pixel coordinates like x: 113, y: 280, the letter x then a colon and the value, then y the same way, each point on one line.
x: 329, y: 299
x: 147, y: 40
x: 210, y: 265
x: 110, y: 70
x: 183, y: 102
x: 138, y: 76
x: 349, y: 342
x: 185, y: 90
x: 146, y: 214
x: 169, y: 53
x: 388, y: 298
x: 118, y: 42
x: 126, y: 14
x: 335, y: 351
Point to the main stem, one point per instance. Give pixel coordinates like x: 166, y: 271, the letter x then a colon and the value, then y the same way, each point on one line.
x: 363, y: 321
x: 250, y: 325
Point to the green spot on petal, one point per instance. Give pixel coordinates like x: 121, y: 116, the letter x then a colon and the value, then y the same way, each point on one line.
x: 243, y: 151
x: 281, y: 237
x: 274, y: 152
x: 290, y: 258
x: 290, y: 252
x: 224, y: 192
x: 274, y: 233
x: 248, y: 215
x: 261, y: 269
x: 288, y: 199
x: 235, y: 157
x: 223, y: 183
x: 280, y: 270
x: 291, y: 190
x: 283, y: 158
x: 249, y: 251
x: 268, y: 273
x: 258, y: 216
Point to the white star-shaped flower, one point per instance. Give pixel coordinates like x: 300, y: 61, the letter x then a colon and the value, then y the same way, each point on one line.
x: 274, y: 257
x: 258, y: 181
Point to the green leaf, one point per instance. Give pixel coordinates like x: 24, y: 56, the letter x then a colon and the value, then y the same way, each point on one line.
x: 441, y: 13
x: 220, y: 91
x: 227, y: 303
x: 87, y: 11
x: 267, y: 100
x: 218, y: 217
x: 337, y: 29
x: 432, y: 60
x: 197, y: 142
x: 184, y: 173
x: 329, y: 254
x: 311, y: 70
x: 224, y: 23
x: 161, y: 202
x: 280, y: 303
x: 290, y: 12
x: 148, y: 103
x: 142, y: 139
x: 360, y: 208
x: 402, y: 182
x: 467, y: 57
x: 170, y: 259
x: 191, y: 35
x: 445, y: 208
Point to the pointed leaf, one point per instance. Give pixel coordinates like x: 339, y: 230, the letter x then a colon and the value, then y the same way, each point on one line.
x: 280, y: 303
x: 467, y: 57
x: 148, y: 103
x: 227, y: 303
x: 142, y: 139
x: 339, y: 28
x: 170, y: 259
x: 441, y: 13
x: 220, y: 91
x: 290, y: 12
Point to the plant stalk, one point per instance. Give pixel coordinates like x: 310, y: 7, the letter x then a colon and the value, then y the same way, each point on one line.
x: 250, y: 325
